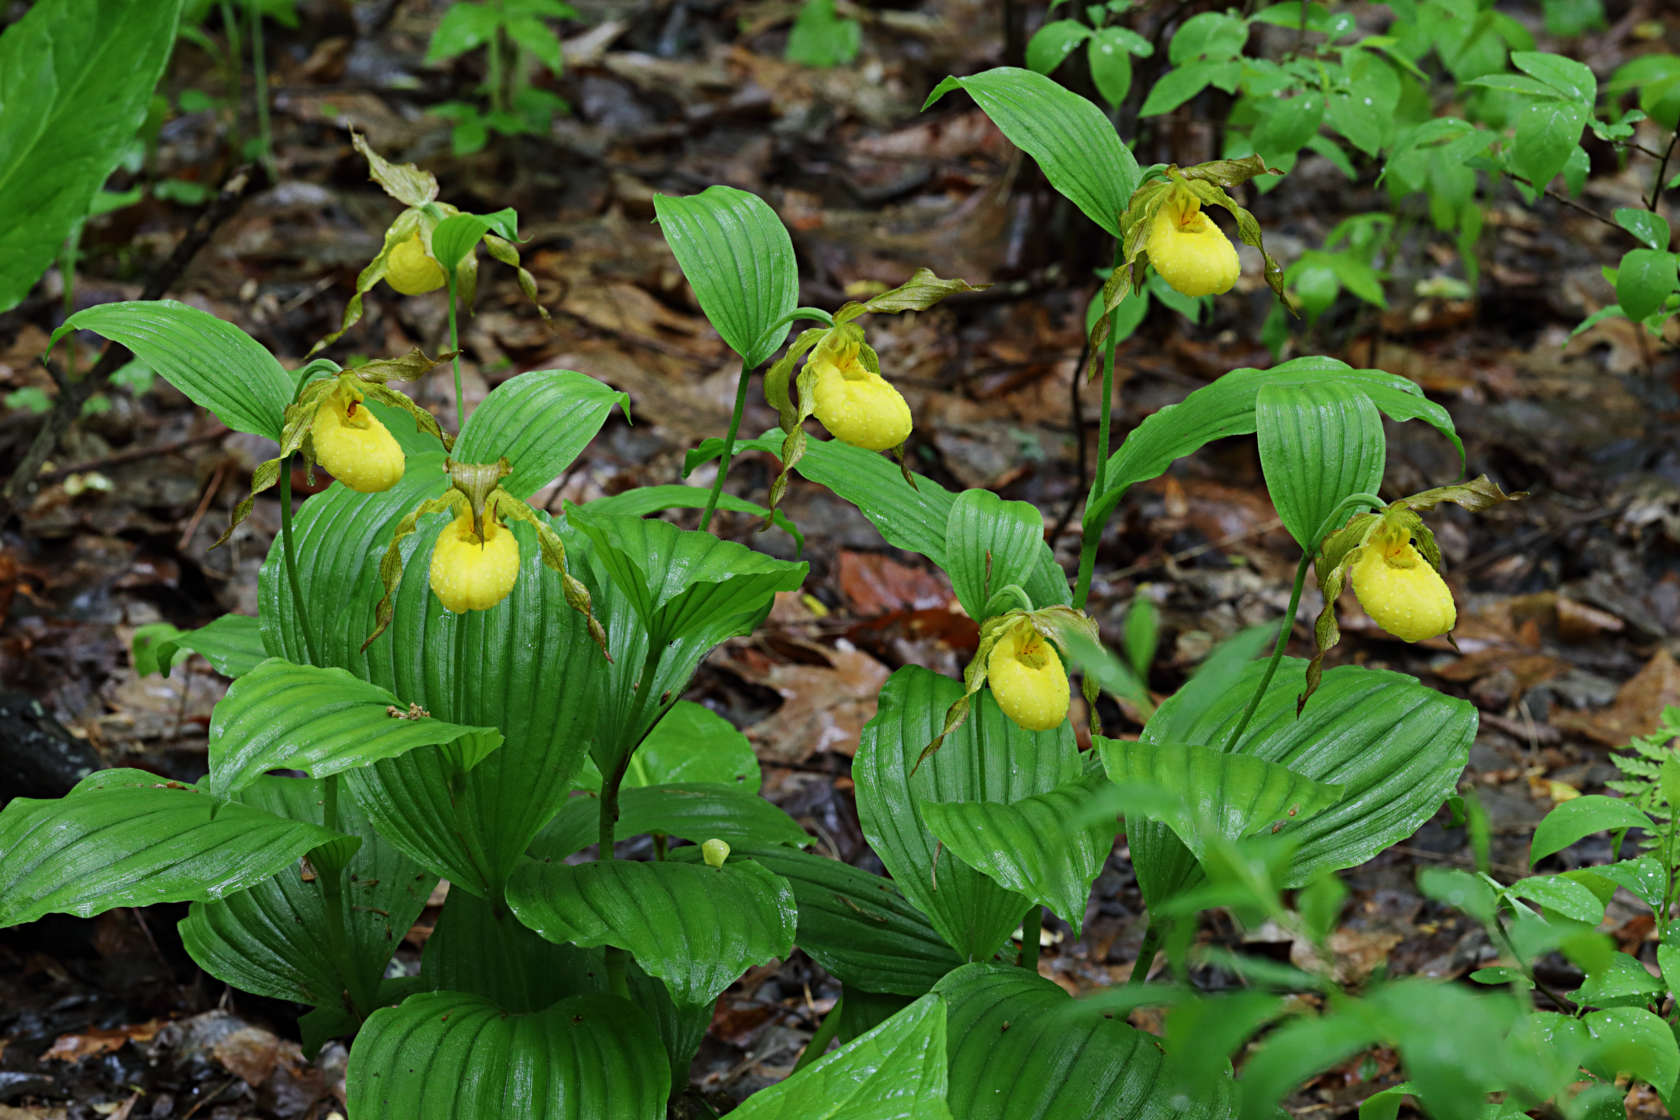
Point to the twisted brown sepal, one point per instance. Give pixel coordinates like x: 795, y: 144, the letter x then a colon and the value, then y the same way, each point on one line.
x: 1206, y: 182
x: 390, y: 565
x: 920, y: 292
x: 408, y: 184
x: 1340, y: 551
x: 554, y: 556
x: 1053, y: 624
x: 503, y: 251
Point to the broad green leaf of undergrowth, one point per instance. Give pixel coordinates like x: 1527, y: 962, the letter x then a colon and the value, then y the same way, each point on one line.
x: 894, y: 1072
x: 1319, y: 443
x: 640, y: 501
x: 1227, y: 408
x: 695, y: 927
x: 1071, y: 139
x: 129, y: 838
x: 858, y: 926
x: 987, y: 758
x: 281, y: 716
x: 1582, y: 816
x: 272, y: 939
x: 1395, y: 748
x: 540, y: 421
x: 1229, y: 795
x: 1047, y: 847
x: 453, y: 1056
x: 1015, y: 1054
x: 217, y: 365
x: 76, y: 80
x: 738, y: 258
x: 232, y: 644
x: 989, y: 544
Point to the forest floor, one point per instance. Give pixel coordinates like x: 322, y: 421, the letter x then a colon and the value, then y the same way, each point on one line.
x: 1569, y: 601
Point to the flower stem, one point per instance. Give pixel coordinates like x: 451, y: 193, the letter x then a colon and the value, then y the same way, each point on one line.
x: 290, y: 551
x: 259, y: 71
x: 455, y: 345
x: 1090, y: 534
x: 728, y: 447
x: 826, y: 1031
x: 360, y: 1001
x: 1031, y: 925
x: 1284, y: 628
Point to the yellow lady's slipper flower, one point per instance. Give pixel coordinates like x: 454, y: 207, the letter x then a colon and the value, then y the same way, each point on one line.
x: 1188, y: 250
x: 470, y: 573
x: 1402, y: 591
x: 1027, y: 679
x: 352, y: 444
x: 857, y: 405
x: 411, y: 270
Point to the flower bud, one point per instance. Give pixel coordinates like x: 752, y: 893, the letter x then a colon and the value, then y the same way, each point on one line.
x: 351, y: 443
x: 1027, y: 679
x: 1402, y: 591
x: 857, y: 406
x: 714, y: 852
x: 411, y: 270
x: 1191, y: 253
x: 470, y: 574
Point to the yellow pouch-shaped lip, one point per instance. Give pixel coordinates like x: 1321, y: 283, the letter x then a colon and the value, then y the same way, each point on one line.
x: 354, y: 447
x: 411, y: 270
x: 468, y: 574
x: 1189, y: 251
x: 1403, y: 593
x: 1027, y: 680
x: 859, y: 407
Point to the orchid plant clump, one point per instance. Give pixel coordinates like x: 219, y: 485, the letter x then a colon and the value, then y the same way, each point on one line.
x: 480, y: 692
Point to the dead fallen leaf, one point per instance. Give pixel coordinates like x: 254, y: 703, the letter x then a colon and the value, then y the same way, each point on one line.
x: 1637, y: 708
x: 98, y: 1040
x: 875, y: 584
x: 251, y: 1054
x: 824, y: 707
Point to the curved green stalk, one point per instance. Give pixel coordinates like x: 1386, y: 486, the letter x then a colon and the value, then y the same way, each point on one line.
x: 1284, y: 628
x: 1031, y: 926
x: 728, y: 447
x: 455, y: 345
x: 826, y: 1031
x: 290, y: 552
x: 1089, y: 535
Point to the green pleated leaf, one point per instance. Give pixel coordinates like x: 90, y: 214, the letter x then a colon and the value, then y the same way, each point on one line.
x: 458, y: 235
x: 692, y: 743
x: 738, y: 258
x: 541, y: 421
x: 1229, y: 795
x: 129, y: 838
x: 1226, y: 408
x: 695, y: 811
x: 281, y: 716
x: 858, y: 926
x: 912, y: 518
x: 1395, y: 747
x: 76, y: 80
x: 217, y: 365
x: 1015, y: 1054
x: 232, y: 644
x: 697, y: 928
x: 1038, y: 846
x: 988, y: 758
x: 1319, y: 443
x: 989, y: 544
x: 473, y: 827
x: 453, y: 1056
x: 686, y: 584
x: 1071, y: 139
x: 894, y: 1072
x: 643, y: 500
x: 272, y: 939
